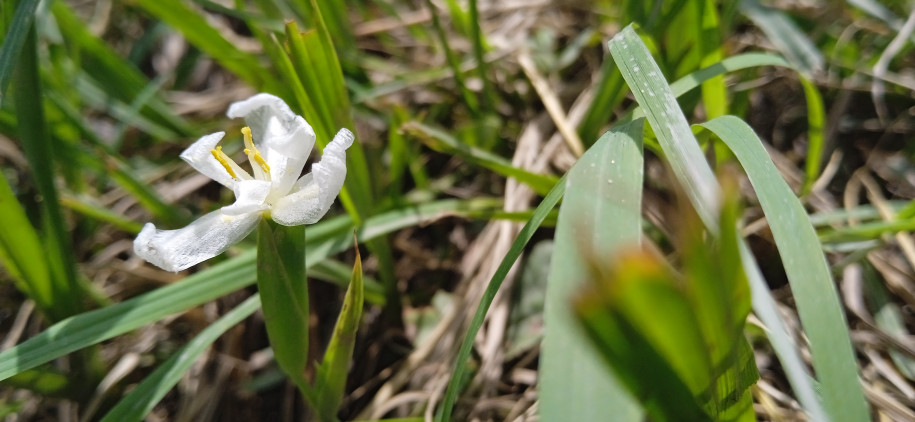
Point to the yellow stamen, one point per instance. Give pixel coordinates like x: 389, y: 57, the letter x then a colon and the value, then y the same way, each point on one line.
x: 224, y: 160
x: 251, y: 151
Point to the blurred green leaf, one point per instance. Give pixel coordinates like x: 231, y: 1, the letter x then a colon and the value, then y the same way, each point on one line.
x: 600, y: 216
x: 443, y: 142
x: 786, y: 36
x: 186, y: 20
x: 330, y: 384
x: 22, y: 254
x: 116, y: 77
x: 15, y: 38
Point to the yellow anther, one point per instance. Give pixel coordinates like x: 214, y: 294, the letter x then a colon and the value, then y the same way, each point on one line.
x: 251, y: 151
x: 224, y: 160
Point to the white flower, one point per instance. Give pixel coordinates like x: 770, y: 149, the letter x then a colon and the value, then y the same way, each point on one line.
x: 275, y: 190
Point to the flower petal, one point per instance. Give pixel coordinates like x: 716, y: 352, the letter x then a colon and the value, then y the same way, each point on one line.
x: 249, y: 197
x: 200, y: 157
x: 313, y: 194
x: 275, y: 127
x: 208, y: 236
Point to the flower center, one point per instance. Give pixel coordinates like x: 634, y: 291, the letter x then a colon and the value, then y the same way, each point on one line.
x: 258, y: 164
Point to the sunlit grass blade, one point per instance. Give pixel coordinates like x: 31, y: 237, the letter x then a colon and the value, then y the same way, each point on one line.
x: 653, y: 94
x: 66, y: 293
x: 15, y: 37
x: 444, y: 142
x: 600, y: 216
x: 141, y: 400
x: 330, y: 385
x: 326, y: 238
x: 460, y: 365
x: 811, y: 281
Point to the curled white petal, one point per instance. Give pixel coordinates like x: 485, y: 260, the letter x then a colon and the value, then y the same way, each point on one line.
x: 314, y: 193
x: 200, y: 157
x: 208, y: 236
x: 275, y: 126
x: 249, y: 197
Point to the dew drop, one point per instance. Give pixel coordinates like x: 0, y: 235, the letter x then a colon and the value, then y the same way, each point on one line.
x: 635, y: 69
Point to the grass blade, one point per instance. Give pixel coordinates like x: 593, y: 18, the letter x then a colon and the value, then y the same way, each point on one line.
x: 331, y: 383
x: 144, y: 397
x: 808, y: 272
x: 601, y: 215
x: 524, y: 236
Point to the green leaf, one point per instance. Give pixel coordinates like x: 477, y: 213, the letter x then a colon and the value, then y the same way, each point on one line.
x: 600, y: 216
x: 331, y: 382
x: 283, y: 287
x: 524, y: 236
x: 808, y: 272
x: 141, y: 400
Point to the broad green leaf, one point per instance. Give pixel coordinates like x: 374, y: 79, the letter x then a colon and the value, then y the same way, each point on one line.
x: 600, y: 216
x: 283, y: 288
x: 808, y: 272
x: 141, y: 400
x: 331, y: 383
x: 524, y: 236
